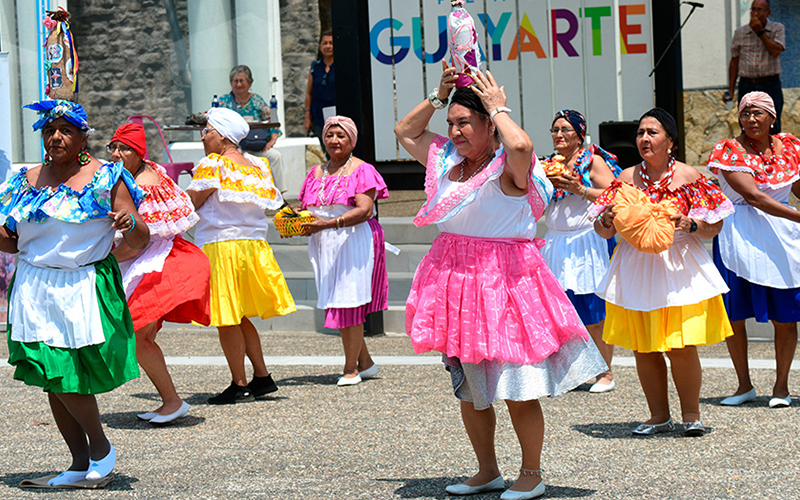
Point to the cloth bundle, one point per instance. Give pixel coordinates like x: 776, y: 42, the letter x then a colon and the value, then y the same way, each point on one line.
x: 642, y: 223
x: 463, y: 43
x: 61, y: 59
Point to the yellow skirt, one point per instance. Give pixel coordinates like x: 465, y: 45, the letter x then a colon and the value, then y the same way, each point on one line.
x: 246, y: 282
x: 667, y: 328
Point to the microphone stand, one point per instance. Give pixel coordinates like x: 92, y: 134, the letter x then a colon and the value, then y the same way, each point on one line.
x: 694, y: 6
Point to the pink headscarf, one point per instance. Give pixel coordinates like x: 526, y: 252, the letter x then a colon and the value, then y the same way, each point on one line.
x: 760, y: 100
x: 348, y: 125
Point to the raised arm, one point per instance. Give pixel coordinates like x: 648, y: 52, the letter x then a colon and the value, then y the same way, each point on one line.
x: 517, y: 144
x: 412, y: 131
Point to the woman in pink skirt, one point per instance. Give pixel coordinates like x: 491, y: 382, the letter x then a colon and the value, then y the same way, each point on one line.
x: 346, y: 247
x: 483, y: 296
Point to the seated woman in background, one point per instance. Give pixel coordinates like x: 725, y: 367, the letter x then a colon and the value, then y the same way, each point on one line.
x: 253, y: 107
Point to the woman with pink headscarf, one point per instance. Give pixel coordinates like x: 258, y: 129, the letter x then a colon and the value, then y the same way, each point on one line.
x: 758, y: 249
x: 346, y: 247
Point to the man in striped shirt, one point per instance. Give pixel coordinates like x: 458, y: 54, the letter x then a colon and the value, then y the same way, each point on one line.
x: 755, y: 53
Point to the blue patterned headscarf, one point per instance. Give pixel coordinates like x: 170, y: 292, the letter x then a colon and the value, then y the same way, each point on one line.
x: 575, y: 119
x: 52, y: 109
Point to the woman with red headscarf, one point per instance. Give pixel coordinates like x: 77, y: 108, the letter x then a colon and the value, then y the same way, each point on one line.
x: 758, y: 251
x: 346, y: 247
x: 168, y: 279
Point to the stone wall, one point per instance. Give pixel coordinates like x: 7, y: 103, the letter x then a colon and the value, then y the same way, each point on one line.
x: 708, y: 120
x: 128, y: 63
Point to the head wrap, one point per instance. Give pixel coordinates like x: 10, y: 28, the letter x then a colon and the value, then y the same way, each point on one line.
x: 228, y: 123
x: 53, y: 109
x: 759, y: 100
x: 346, y: 124
x: 132, y: 134
x: 469, y: 99
x: 575, y: 119
x: 666, y: 120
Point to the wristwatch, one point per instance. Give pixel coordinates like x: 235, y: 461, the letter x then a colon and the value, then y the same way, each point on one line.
x: 693, y: 227
x: 437, y: 103
x: 760, y: 33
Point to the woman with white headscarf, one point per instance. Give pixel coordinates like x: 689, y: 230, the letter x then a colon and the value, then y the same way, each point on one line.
x: 230, y: 192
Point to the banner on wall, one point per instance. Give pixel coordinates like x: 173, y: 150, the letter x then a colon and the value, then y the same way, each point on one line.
x: 5, y: 110
x: 547, y: 59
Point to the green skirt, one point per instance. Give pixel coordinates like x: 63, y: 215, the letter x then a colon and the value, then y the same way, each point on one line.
x: 91, y: 369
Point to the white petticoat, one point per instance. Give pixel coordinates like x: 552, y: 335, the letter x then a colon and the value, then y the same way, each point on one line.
x: 681, y: 275
x: 579, y: 259
x: 343, y: 261
x: 761, y: 248
x: 55, y: 306
x: 149, y: 260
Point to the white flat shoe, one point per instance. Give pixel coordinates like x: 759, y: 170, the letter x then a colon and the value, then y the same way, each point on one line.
x: 741, y: 398
x: 463, y: 489
x: 99, y: 469
x: 150, y: 415
x: 349, y: 381
x: 369, y: 372
x: 650, y: 429
x: 598, y: 388
x: 524, y: 495
x: 781, y: 402
x: 165, y: 419
x: 67, y: 477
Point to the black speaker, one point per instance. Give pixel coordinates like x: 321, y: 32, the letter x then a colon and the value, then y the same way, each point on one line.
x: 620, y: 138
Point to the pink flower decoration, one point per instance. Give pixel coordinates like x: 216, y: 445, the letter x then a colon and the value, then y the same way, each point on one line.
x: 49, y: 23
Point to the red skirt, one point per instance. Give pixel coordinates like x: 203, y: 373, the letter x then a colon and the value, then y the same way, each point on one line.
x: 180, y: 293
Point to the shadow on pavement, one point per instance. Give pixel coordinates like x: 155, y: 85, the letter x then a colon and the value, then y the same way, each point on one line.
x: 309, y: 380
x: 623, y: 430
x: 128, y: 421
x: 434, y: 487
x: 121, y: 482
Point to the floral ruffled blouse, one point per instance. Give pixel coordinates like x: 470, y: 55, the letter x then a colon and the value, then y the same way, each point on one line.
x: 166, y: 209
x: 769, y: 171
x: 237, y: 183
x: 701, y: 199
x: 582, y: 164
x: 19, y: 200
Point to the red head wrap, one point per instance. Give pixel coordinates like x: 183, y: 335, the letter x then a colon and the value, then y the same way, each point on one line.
x: 132, y: 134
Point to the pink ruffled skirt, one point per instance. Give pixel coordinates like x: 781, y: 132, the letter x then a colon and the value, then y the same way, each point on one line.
x: 489, y: 299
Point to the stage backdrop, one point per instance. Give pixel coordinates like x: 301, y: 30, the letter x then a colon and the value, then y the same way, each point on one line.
x: 590, y: 55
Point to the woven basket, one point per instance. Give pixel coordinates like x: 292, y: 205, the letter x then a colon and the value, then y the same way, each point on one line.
x: 290, y: 226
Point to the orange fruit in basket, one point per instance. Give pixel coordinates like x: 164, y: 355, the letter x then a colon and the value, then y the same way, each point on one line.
x: 554, y: 167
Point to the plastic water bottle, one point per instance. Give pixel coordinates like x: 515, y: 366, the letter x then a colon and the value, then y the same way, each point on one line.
x: 273, y: 108
x: 215, y: 101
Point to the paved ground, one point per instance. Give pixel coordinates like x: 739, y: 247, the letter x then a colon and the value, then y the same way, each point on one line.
x: 398, y: 436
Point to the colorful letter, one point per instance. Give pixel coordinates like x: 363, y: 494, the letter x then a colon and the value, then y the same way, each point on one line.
x: 403, y: 43
x: 564, y: 39
x: 596, y: 14
x: 528, y: 43
x: 430, y: 58
x: 496, y: 32
x: 631, y: 29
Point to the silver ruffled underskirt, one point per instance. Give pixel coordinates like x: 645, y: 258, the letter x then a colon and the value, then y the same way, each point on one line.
x: 484, y: 383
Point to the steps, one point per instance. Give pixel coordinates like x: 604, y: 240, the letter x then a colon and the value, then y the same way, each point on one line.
x: 292, y: 257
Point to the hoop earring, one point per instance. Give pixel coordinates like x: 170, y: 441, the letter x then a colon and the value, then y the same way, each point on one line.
x: 84, y: 158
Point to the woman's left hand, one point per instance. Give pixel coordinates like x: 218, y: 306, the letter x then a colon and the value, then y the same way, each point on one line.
x: 123, y: 220
x: 492, y: 95
x: 316, y: 226
x: 568, y: 182
x: 682, y: 223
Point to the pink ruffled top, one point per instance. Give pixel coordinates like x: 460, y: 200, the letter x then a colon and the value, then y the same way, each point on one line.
x: 166, y: 209
x: 343, y: 191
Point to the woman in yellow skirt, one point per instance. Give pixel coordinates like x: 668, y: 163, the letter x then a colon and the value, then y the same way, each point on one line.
x: 667, y: 302
x: 230, y: 192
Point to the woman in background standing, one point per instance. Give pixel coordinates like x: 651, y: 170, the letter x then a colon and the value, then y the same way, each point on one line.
x: 321, y: 89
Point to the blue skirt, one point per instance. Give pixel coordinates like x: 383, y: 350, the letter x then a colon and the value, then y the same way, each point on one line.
x: 748, y: 300
x: 590, y: 307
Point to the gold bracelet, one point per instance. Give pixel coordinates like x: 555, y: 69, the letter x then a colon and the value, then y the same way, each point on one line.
x: 339, y: 222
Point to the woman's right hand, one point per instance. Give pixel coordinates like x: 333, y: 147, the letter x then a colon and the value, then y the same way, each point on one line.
x: 447, y: 82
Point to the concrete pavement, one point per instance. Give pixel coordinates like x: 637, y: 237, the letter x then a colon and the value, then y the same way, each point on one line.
x: 400, y: 435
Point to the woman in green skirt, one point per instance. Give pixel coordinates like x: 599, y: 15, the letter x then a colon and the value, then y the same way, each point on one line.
x: 70, y: 330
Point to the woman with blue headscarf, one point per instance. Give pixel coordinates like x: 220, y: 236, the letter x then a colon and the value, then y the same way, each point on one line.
x: 70, y: 330
x: 575, y: 253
